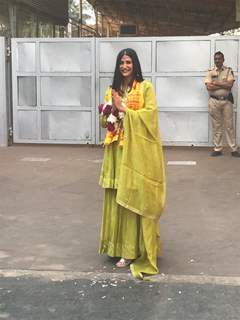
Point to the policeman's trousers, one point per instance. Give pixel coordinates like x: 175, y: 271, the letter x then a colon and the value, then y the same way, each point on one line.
x: 221, y: 113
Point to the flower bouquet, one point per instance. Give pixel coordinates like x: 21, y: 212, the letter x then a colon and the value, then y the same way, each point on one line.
x: 113, y: 117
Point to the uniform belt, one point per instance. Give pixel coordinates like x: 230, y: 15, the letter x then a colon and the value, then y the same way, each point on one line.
x: 219, y: 98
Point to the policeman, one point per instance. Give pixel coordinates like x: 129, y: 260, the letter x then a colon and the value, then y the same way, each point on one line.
x: 219, y: 82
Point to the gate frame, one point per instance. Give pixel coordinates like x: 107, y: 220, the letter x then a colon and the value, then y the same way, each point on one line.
x: 3, y: 95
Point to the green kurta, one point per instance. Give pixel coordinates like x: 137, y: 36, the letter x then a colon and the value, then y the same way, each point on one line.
x: 134, y: 182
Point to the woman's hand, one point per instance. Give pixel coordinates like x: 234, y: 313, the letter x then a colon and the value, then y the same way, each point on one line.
x: 117, y: 101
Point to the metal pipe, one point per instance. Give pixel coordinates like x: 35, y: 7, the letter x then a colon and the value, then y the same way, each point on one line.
x: 81, y: 15
x: 12, y: 9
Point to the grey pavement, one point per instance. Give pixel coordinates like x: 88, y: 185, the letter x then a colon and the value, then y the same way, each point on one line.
x: 110, y: 299
x: 50, y: 214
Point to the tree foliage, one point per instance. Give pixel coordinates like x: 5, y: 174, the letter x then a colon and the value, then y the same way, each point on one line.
x: 74, y: 10
x: 233, y: 32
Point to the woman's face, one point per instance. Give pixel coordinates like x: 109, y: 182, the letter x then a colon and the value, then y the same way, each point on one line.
x: 126, y: 66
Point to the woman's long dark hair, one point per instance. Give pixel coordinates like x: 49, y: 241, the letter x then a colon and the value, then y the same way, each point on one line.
x: 137, y: 71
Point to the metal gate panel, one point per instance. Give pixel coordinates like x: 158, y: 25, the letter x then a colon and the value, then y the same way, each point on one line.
x: 3, y: 96
x: 54, y: 90
x: 108, y: 51
x: 181, y: 91
x: 76, y: 54
x: 182, y: 55
x: 181, y: 65
x: 190, y: 127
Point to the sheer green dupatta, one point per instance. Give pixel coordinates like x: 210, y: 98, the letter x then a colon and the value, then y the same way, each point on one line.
x: 141, y: 185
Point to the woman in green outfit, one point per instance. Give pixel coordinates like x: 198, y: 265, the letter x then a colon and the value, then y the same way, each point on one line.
x: 132, y: 173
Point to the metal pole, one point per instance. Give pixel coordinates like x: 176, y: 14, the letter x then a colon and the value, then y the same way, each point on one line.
x: 96, y: 26
x: 237, y: 10
x: 108, y: 28
x: 81, y: 15
x: 12, y: 9
x: 37, y: 27
x: 102, y: 25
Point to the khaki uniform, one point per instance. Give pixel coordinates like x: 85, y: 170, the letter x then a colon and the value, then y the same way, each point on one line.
x: 221, y: 109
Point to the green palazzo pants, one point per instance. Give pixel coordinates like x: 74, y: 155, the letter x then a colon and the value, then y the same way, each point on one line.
x: 129, y: 235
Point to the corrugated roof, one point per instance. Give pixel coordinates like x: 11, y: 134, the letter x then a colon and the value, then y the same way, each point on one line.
x: 172, y: 17
x: 56, y: 9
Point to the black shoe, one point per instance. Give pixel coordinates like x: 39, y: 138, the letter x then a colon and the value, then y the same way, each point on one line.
x: 216, y: 153
x: 236, y: 154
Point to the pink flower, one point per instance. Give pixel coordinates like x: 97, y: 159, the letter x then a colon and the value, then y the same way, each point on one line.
x: 107, y: 108
x: 100, y: 108
x: 110, y: 126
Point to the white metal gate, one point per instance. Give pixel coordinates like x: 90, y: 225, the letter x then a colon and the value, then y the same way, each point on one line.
x: 177, y: 67
x: 53, y: 90
x: 57, y: 84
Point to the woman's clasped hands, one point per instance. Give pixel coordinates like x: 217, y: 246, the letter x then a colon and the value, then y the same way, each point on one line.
x: 117, y: 101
